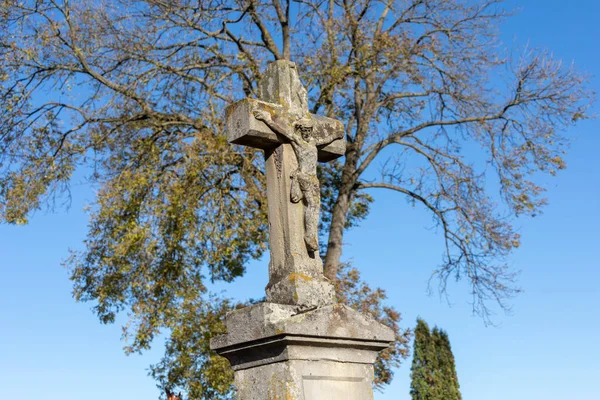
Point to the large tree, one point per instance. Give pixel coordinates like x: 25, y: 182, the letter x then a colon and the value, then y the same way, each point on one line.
x: 131, y: 93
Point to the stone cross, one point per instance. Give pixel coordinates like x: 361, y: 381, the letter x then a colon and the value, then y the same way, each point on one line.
x: 281, y: 124
x: 299, y: 344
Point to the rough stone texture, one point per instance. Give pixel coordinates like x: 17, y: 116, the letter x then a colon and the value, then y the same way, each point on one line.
x: 285, y: 113
x: 264, y: 320
x: 305, y: 185
x: 283, y: 352
x: 244, y: 129
x: 281, y: 85
x: 295, y: 276
x: 306, y: 380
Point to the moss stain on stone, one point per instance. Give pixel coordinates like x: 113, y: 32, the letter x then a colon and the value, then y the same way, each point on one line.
x: 296, y: 276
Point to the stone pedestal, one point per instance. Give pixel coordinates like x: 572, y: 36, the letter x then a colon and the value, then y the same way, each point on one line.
x: 282, y: 352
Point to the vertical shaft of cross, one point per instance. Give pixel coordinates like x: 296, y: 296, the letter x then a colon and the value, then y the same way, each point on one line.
x: 295, y: 270
x: 285, y: 218
x: 295, y: 274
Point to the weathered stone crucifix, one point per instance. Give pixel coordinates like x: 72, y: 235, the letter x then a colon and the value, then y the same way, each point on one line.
x: 293, y: 140
x: 299, y: 344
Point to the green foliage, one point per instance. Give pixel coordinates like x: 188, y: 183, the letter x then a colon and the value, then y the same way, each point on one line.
x: 173, y: 213
x: 447, y: 387
x: 433, y: 371
x: 423, y: 364
x: 188, y: 364
x: 357, y: 294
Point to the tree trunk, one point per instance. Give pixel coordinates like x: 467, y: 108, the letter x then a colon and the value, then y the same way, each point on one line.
x: 340, y: 214
x: 350, y: 176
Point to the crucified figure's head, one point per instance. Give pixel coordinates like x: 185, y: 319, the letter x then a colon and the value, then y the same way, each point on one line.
x: 304, y: 128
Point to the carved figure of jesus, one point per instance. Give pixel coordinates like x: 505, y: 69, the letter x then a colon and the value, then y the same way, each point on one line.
x: 305, y: 184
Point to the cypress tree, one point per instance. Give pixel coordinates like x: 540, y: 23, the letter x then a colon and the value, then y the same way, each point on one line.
x: 433, y: 371
x: 447, y: 386
x: 439, y: 387
x: 423, y: 364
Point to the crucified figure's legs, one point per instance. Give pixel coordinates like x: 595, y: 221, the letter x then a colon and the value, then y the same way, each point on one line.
x: 309, y: 187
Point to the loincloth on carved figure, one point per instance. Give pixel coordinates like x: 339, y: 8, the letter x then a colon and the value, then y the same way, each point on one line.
x: 304, y: 186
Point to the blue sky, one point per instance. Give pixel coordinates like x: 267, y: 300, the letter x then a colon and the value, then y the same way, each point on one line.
x: 53, y: 348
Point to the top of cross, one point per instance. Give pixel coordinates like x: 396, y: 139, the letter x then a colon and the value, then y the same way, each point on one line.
x: 281, y: 93
x: 281, y: 85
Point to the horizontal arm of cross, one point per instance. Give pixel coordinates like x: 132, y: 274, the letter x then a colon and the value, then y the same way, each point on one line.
x: 243, y: 128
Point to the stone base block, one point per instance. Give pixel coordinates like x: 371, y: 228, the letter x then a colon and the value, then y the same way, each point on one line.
x: 302, y: 289
x: 283, y: 352
x: 305, y: 379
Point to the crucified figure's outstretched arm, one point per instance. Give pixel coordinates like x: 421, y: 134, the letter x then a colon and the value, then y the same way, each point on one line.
x: 276, y: 125
x: 329, y: 138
